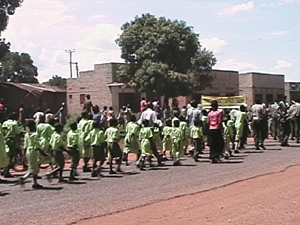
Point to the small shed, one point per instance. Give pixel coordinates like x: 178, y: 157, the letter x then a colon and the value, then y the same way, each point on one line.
x: 32, y: 96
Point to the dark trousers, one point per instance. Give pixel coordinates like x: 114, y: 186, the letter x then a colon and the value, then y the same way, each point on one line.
x: 154, y: 150
x: 274, y: 127
x: 285, y: 130
x: 297, y: 129
x: 293, y: 128
x: 216, y: 143
x: 75, y: 157
x: 258, y: 132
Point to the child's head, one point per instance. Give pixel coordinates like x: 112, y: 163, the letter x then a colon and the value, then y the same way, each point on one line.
x: 58, y: 127
x: 243, y: 108
x: 176, y: 123
x: 96, y: 125
x: 13, y: 116
x: 169, y: 123
x: 176, y: 113
x: 31, y: 125
x: 182, y: 118
x: 114, y: 122
x: 204, y: 112
x: 84, y: 114
x: 73, y: 126
x: 197, y: 123
x: 132, y: 118
x: 146, y: 123
x: 42, y: 119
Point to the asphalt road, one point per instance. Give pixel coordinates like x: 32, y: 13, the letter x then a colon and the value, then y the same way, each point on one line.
x: 91, y: 197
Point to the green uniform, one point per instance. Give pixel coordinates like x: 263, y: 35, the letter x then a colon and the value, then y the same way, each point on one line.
x: 11, y: 133
x: 146, y: 134
x: 185, y: 133
x: 3, y: 154
x: 176, y: 137
x: 44, y: 132
x: 96, y: 139
x: 228, y: 133
x: 197, y: 137
x: 56, y: 143
x: 112, y: 137
x: 239, y: 124
x: 157, y: 138
x: 84, y: 127
x: 131, y: 141
x: 167, y: 142
x: 72, y: 144
x: 31, y: 144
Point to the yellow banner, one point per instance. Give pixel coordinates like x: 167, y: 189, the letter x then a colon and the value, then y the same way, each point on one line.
x: 224, y: 102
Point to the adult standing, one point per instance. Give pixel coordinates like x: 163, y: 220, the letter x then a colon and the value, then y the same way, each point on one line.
x: 216, y: 142
x: 88, y: 105
x: 257, y: 117
x: 62, y: 114
x: 21, y: 118
x: 274, y: 120
x: 143, y: 104
x: 285, y: 128
x: 196, y: 115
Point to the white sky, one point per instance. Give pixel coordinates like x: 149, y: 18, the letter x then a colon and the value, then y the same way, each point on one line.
x: 258, y: 36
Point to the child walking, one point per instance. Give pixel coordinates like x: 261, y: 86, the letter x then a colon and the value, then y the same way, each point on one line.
x: 97, y: 141
x: 176, y: 137
x: 146, y: 134
x: 197, y: 139
x: 72, y: 144
x: 32, y: 147
x: 112, y: 137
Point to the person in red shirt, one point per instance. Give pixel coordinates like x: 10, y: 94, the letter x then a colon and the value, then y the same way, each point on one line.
x: 143, y: 104
x: 216, y: 142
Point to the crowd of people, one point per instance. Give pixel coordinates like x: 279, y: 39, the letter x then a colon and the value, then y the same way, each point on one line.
x: 164, y: 134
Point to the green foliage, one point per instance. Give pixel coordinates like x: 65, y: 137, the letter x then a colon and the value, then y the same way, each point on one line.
x: 56, y: 81
x: 7, y: 8
x: 4, y: 48
x: 162, y: 56
x: 18, y: 68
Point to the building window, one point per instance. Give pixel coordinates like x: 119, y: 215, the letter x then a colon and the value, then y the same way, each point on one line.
x: 269, y: 98
x: 82, y: 99
x: 70, y: 96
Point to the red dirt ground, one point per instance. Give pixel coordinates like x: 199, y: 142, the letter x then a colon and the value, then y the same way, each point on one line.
x: 268, y: 200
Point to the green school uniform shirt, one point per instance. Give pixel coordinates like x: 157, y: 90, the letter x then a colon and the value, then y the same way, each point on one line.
x: 196, y: 132
x: 10, y: 128
x: 44, y: 132
x: 240, y: 118
x: 56, y: 141
x: 112, y: 134
x: 84, y: 127
x: 72, y: 139
x: 145, y: 134
x: 3, y: 155
x: 31, y: 144
x: 176, y: 134
x: 95, y: 137
x: 131, y: 141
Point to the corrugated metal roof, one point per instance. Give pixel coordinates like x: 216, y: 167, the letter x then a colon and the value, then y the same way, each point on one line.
x: 35, y: 89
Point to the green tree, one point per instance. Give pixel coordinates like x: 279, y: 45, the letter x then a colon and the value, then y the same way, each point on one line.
x: 163, y: 57
x: 7, y: 8
x: 56, y: 81
x: 19, y: 68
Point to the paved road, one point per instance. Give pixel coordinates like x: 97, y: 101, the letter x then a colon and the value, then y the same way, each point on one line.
x: 90, y: 197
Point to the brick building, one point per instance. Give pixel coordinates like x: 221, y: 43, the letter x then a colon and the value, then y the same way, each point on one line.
x: 104, y: 88
x: 267, y: 87
x: 292, y: 91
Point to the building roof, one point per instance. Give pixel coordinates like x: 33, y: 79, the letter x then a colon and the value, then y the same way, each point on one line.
x: 35, y: 89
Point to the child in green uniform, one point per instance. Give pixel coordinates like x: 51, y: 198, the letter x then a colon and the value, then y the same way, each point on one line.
x: 97, y: 141
x: 72, y: 144
x: 3, y: 155
x: 32, y: 147
x: 44, y: 132
x: 57, y: 144
x: 228, y: 133
x: 85, y: 150
x: 112, y: 137
x: 185, y: 135
x: 11, y: 132
x: 167, y: 143
x: 131, y: 141
x: 176, y: 136
x: 197, y: 139
x: 146, y: 134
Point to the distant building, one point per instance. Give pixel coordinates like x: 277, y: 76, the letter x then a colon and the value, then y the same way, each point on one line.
x: 292, y: 91
x: 103, y: 87
x: 225, y: 83
x: 267, y: 87
x: 32, y: 96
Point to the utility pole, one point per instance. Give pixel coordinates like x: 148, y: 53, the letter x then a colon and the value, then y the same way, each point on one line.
x: 71, y: 63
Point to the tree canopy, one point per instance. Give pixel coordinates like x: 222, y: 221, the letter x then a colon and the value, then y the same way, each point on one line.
x: 17, y: 67
x: 56, y: 81
x: 163, y: 57
x: 7, y: 8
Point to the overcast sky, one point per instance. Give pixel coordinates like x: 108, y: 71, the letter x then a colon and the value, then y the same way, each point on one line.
x: 256, y: 36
